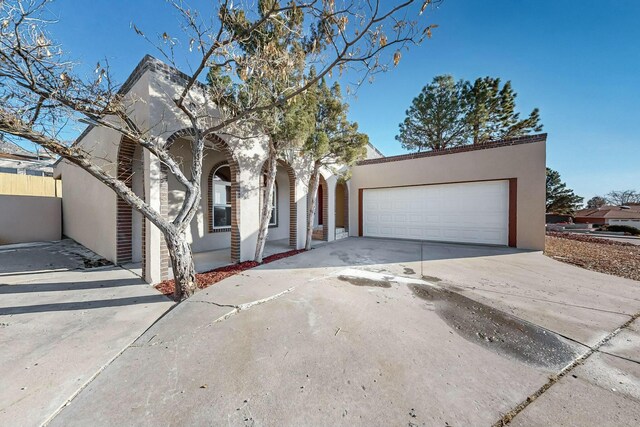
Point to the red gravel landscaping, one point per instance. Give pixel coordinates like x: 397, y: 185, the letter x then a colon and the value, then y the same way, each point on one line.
x: 209, y: 278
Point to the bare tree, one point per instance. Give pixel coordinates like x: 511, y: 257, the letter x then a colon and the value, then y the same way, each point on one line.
x: 623, y: 197
x: 42, y: 92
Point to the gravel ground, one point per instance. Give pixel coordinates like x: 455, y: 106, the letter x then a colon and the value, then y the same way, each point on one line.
x: 604, y: 256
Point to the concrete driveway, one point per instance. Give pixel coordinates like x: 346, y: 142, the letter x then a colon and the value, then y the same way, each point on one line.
x: 61, y: 323
x: 375, y: 332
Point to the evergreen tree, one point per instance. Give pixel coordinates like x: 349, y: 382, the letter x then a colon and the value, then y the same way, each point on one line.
x: 560, y: 199
x: 270, y: 64
x: 596, y: 202
x: 492, y: 112
x: 436, y: 118
x: 334, y: 140
x: 447, y: 113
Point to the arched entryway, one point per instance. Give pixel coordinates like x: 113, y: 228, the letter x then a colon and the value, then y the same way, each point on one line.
x: 342, y: 210
x: 215, y: 229
x: 283, y: 221
x: 130, y: 224
x: 321, y: 217
x: 283, y: 230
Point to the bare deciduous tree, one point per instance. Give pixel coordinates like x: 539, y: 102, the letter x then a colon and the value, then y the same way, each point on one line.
x: 623, y: 197
x: 42, y: 92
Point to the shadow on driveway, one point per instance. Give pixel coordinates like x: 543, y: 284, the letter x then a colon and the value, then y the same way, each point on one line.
x: 33, y: 287
x: 63, y: 323
x: 82, y: 305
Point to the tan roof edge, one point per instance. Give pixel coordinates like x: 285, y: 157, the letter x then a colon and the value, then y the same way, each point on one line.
x: 527, y: 139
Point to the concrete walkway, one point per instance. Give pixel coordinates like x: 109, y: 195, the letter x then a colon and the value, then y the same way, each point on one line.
x: 374, y: 332
x: 61, y: 323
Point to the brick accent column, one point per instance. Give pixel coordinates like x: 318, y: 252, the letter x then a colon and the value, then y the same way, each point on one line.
x: 165, y: 258
x: 124, y: 217
x: 235, y: 211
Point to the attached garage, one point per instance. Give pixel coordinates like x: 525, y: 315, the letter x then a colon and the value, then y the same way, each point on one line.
x: 491, y: 193
x: 470, y: 212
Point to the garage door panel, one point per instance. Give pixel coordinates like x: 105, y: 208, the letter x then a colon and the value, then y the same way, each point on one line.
x: 470, y: 212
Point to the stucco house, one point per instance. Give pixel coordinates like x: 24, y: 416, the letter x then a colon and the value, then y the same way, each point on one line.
x: 487, y: 194
x: 610, y: 215
x: 16, y: 160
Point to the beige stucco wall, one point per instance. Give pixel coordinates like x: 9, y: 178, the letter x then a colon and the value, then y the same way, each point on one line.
x: 526, y: 162
x: 281, y: 230
x: 89, y: 206
x: 29, y: 219
x: 89, y: 209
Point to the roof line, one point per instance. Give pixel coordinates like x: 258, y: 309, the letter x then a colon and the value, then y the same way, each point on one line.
x: 374, y: 148
x: 151, y: 63
x: 527, y: 139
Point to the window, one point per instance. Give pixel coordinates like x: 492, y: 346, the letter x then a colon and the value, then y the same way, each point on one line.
x: 273, y: 219
x: 33, y: 172
x: 8, y: 170
x: 222, y: 197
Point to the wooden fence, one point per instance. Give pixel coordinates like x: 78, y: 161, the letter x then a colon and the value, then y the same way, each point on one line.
x: 27, y: 185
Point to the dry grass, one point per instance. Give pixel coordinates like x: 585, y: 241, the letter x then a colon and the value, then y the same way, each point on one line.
x: 604, y: 256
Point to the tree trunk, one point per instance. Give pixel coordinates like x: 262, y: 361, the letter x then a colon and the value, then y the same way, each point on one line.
x: 184, y: 272
x: 311, y: 212
x: 267, y: 203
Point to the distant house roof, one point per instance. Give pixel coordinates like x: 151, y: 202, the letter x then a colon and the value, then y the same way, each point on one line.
x: 10, y: 150
x: 610, y: 212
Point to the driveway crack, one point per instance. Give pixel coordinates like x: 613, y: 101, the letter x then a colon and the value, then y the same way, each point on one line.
x: 509, y: 416
x: 216, y: 304
x: 248, y: 305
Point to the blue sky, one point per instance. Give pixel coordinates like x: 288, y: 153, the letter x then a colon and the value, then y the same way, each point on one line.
x: 578, y: 61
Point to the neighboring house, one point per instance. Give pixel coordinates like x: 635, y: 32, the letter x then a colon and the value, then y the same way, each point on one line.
x: 610, y: 215
x: 16, y: 160
x: 552, y: 218
x: 30, y: 205
x: 489, y: 194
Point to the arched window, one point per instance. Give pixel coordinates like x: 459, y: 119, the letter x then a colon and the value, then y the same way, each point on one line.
x: 221, y: 197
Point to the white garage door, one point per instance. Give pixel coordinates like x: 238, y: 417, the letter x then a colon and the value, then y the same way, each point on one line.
x: 630, y: 222
x: 475, y: 212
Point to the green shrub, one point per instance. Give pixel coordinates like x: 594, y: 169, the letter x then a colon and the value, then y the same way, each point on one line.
x: 622, y: 228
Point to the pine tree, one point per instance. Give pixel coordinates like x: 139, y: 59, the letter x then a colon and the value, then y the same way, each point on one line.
x: 560, y: 199
x: 448, y: 114
x: 286, y: 125
x: 334, y: 140
x: 436, y: 118
x: 492, y: 112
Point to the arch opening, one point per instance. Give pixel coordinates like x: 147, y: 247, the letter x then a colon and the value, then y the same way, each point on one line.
x: 342, y: 210
x: 321, y: 216
x: 282, y: 234
x: 214, y: 232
